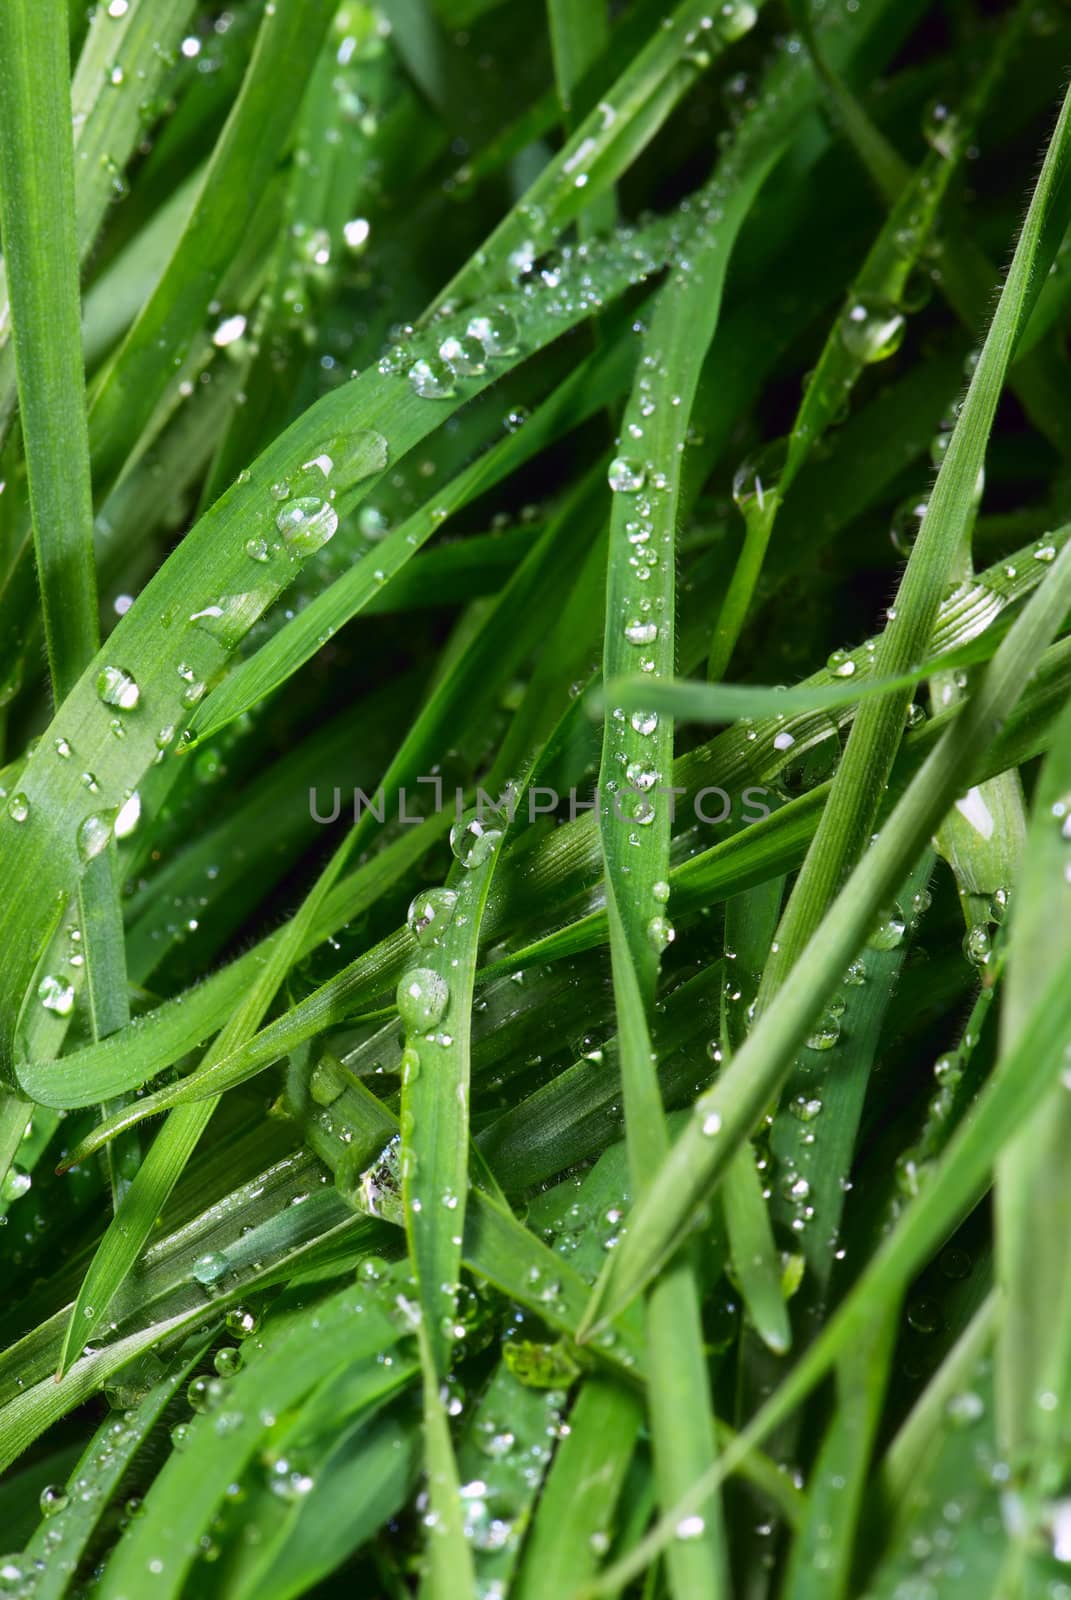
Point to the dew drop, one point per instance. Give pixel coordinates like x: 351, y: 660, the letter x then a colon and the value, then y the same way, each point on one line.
x: 56, y: 994
x: 307, y: 524
x: 422, y: 996
x: 429, y: 913
x: 116, y: 687
x: 473, y: 841
x: 465, y: 355
x: 94, y: 833
x: 872, y: 328
x: 626, y: 475
x: 431, y: 378
x: 496, y: 330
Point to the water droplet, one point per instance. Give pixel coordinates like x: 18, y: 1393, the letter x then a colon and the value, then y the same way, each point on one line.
x: 644, y: 723
x: 431, y: 378
x: 941, y: 128
x: 472, y: 840
x: 429, y: 913
x: 888, y: 930
x: 241, y: 1322
x: 227, y: 1361
x: 626, y: 475
x: 804, y: 1109
x: 872, y: 328
x: 16, y: 1183
x: 327, y: 1080
x: 640, y: 631
x: 53, y: 1500
x: 660, y: 933
x: 307, y: 524
x: 229, y: 331
x: 422, y: 996
x: 210, y: 1267
x: 116, y: 687
x: 977, y: 945
x: 257, y: 549
x: 840, y: 664
x: 94, y: 833
x: 709, y: 1122
x: 128, y: 816
x: 465, y: 355
x: 734, y: 18
x: 56, y: 994
x: 826, y: 1032
x: 690, y: 1528
x: 757, y: 477
x: 230, y: 618
x: 18, y: 807
x: 356, y: 233
x: 496, y: 330
x: 906, y: 522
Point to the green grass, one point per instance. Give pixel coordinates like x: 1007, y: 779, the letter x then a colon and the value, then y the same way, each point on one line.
x: 602, y: 432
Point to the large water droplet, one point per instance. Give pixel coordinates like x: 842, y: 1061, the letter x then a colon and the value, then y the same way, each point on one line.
x: 230, y: 618
x: 626, y: 475
x: 93, y: 834
x: 473, y: 840
x: 641, y: 631
x: 465, y: 355
x: 56, y: 994
x: 53, y: 1500
x: 872, y: 328
x: 18, y: 807
x: 116, y: 687
x: 431, y: 378
x: 755, y: 480
x: 734, y: 18
x: 422, y: 996
x: 496, y: 330
x: 307, y: 524
x: 429, y: 913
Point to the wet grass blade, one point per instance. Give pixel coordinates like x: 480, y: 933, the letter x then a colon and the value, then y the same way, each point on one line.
x: 41, y: 259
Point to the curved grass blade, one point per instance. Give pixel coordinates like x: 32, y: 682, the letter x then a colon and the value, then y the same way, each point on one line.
x: 62, y: 1539
x: 728, y: 1111
x: 878, y: 727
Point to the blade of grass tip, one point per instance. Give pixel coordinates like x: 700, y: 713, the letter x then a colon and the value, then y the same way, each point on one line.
x: 1034, y: 1339
x: 287, y: 46
x: 579, y: 37
x: 868, y: 330
x: 725, y: 1114
x: 1024, y: 1075
x: 607, y: 141
x: 41, y: 258
x: 849, y: 813
x: 640, y: 601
